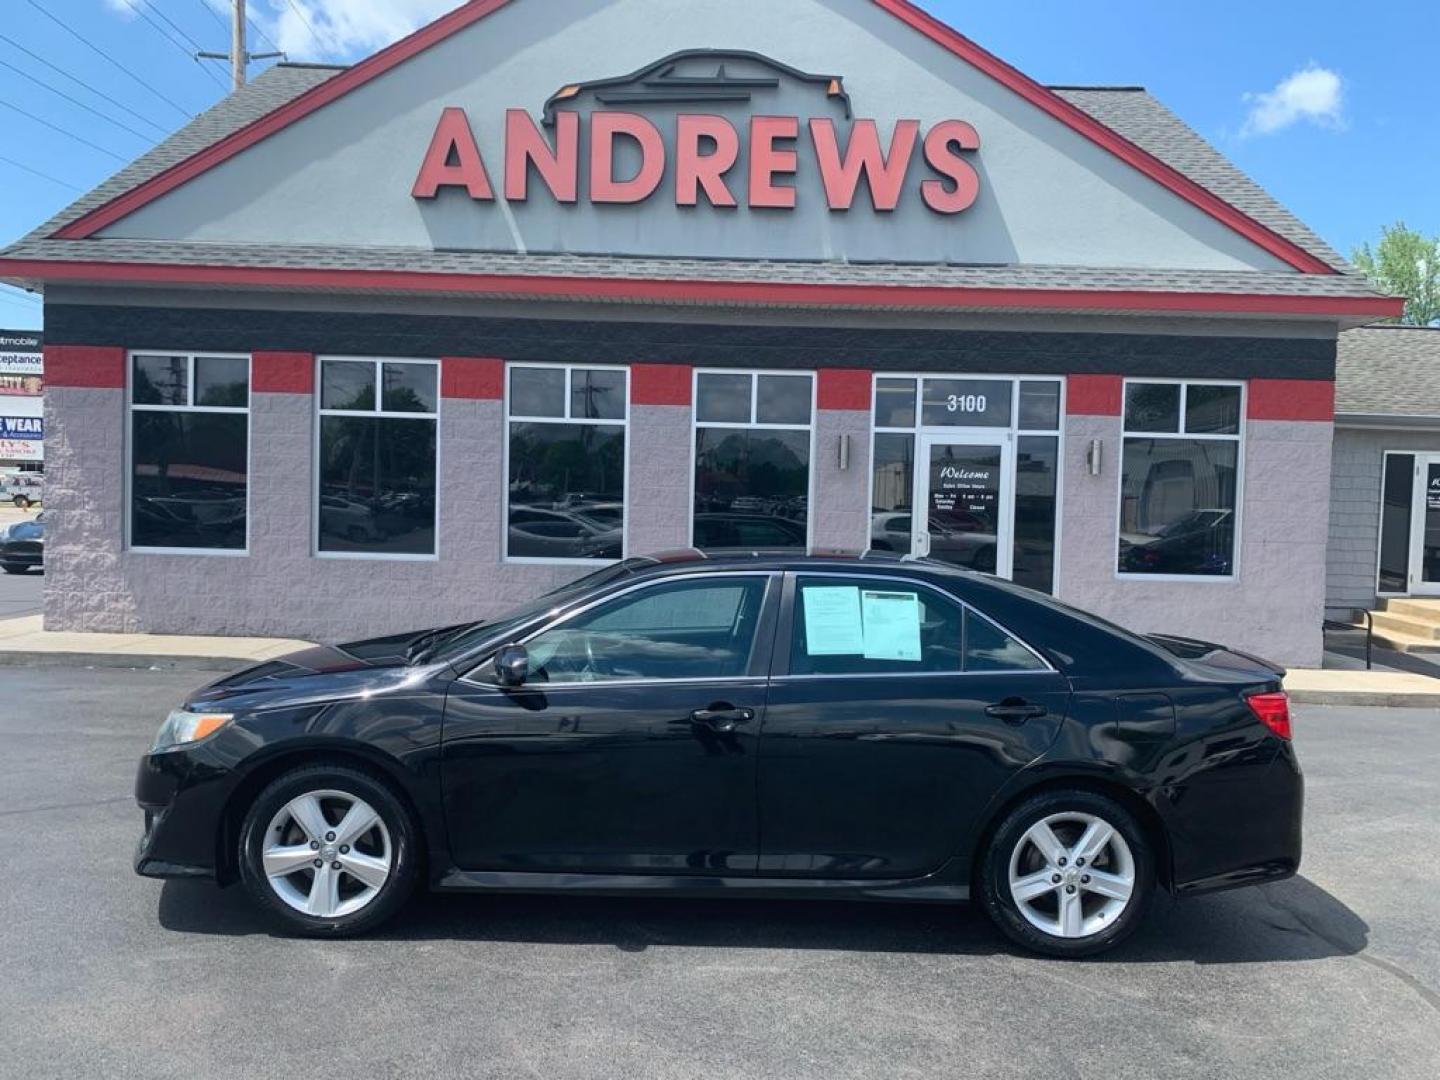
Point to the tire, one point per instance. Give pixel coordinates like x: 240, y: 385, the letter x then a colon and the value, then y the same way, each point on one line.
x: 22, y: 503
x: 272, y: 830
x: 1050, y: 922
x: 13, y: 568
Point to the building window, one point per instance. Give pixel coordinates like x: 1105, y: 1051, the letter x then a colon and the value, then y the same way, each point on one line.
x: 752, y: 459
x: 1180, y: 478
x: 907, y: 407
x: 189, y: 451
x: 377, y: 436
x: 566, y: 489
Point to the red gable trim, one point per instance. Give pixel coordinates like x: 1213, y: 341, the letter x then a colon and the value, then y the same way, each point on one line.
x: 1291, y: 399
x: 97, y: 367
x: 660, y: 384
x: 932, y: 28
x: 1370, y: 308
x: 282, y: 373
x: 472, y: 377
x: 1094, y: 395
x: 843, y: 388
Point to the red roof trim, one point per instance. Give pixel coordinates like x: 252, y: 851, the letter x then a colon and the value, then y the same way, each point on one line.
x: 462, y: 17
x: 714, y: 292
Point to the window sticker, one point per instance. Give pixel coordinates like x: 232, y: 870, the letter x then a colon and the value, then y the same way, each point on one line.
x: 832, y: 621
x: 892, y: 625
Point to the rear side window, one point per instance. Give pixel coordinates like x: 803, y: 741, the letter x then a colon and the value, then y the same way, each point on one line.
x: 873, y: 627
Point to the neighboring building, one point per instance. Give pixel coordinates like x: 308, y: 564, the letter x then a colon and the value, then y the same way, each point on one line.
x: 1385, y: 488
x: 22, y: 415
x: 545, y: 285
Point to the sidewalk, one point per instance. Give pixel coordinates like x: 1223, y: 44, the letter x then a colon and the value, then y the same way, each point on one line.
x: 1308, y: 686
x: 24, y: 642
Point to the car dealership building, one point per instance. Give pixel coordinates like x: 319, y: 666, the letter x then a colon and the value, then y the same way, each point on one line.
x: 548, y: 284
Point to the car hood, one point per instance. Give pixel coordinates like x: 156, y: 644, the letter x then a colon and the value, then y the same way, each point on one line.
x: 319, y: 674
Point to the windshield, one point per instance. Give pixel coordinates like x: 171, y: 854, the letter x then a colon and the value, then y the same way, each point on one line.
x: 473, y: 635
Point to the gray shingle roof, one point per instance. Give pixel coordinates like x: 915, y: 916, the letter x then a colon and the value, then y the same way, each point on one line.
x: 1131, y: 112
x: 1388, y: 371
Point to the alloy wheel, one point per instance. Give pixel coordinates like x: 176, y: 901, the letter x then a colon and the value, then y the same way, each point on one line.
x: 327, y: 853
x: 1072, y: 874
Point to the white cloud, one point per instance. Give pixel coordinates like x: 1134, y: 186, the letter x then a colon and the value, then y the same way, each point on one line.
x: 121, y: 7
x: 1314, y: 94
x: 342, y: 29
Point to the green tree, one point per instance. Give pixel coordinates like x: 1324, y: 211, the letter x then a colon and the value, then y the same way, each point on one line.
x: 1404, y: 263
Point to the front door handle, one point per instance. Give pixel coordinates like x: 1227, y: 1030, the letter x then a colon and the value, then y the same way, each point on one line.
x: 722, y: 719
x: 1015, y: 711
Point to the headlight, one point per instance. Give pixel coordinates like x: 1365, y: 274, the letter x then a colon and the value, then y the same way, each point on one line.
x: 182, y: 728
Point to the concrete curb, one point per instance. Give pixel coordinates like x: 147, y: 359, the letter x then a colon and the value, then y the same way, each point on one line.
x: 1369, y: 698
x: 225, y: 664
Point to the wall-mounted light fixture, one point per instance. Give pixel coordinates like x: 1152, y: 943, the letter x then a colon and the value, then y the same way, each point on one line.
x: 843, y: 456
x: 1094, y: 456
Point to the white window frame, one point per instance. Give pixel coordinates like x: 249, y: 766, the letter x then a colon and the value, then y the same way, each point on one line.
x: 1010, y: 436
x: 1238, y: 438
x: 579, y: 421
x: 189, y: 407
x: 754, y: 425
x: 378, y: 413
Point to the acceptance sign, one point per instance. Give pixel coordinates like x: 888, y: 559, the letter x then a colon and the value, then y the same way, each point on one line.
x: 706, y: 153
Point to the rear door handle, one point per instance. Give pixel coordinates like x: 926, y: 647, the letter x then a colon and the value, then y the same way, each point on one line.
x: 1015, y: 711
x: 721, y: 719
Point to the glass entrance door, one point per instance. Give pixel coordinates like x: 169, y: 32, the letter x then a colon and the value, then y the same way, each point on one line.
x: 964, y: 501
x: 1425, y: 535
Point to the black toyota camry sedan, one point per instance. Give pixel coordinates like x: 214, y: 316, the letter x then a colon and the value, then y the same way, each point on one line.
x: 825, y: 726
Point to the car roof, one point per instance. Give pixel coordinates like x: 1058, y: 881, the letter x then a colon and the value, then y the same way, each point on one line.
x: 719, y: 560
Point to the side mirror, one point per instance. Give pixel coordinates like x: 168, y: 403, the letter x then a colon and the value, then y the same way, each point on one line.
x: 512, y: 665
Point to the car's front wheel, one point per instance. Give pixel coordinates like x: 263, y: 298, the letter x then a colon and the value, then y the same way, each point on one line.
x: 329, y: 851
x: 1067, y: 873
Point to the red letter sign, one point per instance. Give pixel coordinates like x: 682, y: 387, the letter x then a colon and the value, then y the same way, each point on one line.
x: 942, y: 151
x: 526, y: 146
x: 885, y: 174
x: 694, y: 170
x: 766, y: 161
x: 604, y: 188
x: 452, y: 136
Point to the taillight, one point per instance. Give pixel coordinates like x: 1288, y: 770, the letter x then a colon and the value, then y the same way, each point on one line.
x: 1272, y: 710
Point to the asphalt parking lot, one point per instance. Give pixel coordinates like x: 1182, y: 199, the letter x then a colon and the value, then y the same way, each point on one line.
x: 1334, y: 974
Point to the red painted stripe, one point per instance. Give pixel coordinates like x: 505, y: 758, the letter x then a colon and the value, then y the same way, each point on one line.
x: 477, y: 378
x: 727, y: 292
x: 1290, y: 399
x: 1082, y: 122
x: 660, y: 384
x: 1094, y: 395
x: 282, y: 373
x: 100, y: 367
x: 843, y: 388
x: 932, y: 28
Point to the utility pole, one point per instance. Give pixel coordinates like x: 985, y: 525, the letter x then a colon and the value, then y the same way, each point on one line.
x: 239, y: 58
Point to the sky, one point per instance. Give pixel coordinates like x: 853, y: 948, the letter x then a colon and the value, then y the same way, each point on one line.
x: 1331, y: 106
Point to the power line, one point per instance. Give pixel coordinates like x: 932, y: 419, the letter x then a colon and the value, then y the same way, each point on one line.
x: 81, y: 82
x: 63, y: 131
x: 37, y: 172
x: 315, y: 37
x: 142, y: 11
x: 76, y: 101
x: 253, y: 24
x: 115, y: 63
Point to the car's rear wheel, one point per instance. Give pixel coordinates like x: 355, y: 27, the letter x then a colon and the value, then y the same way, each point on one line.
x: 1067, y: 873
x: 22, y: 503
x: 329, y: 851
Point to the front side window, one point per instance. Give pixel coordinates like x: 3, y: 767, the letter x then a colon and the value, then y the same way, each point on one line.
x: 844, y: 626
x: 189, y: 451
x: 1180, y: 479
x: 378, y: 431
x: 752, y: 460
x: 682, y: 630
x: 567, y: 428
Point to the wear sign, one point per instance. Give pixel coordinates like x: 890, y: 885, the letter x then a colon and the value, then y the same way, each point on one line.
x: 22, y: 428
